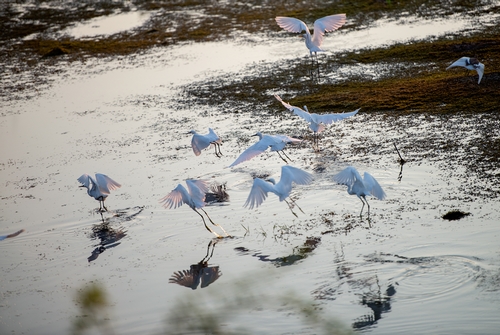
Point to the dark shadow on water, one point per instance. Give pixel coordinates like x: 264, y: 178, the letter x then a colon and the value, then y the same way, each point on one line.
x: 107, y: 235
x: 199, y: 272
x: 299, y: 253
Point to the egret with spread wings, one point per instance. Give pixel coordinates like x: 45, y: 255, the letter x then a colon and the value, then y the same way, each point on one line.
x: 98, y: 188
x: 470, y: 64
x: 200, y: 142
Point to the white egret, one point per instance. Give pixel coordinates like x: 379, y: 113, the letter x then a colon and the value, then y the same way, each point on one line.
x: 362, y: 187
x: 282, y: 189
x: 321, y: 26
x: 470, y: 64
x: 194, y: 198
x: 316, y: 121
x: 275, y: 142
x: 200, y: 142
x: 99, y: 188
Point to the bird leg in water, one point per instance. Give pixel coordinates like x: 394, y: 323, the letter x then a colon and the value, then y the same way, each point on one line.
x: 284, y: 153
x: 361, y: 213
x: 215, y: 224
x: 284, y: 160
x: 208, y: 228
x: 101, y: 204
x: 290, y: 207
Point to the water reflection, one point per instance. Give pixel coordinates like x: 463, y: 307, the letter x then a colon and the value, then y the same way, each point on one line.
x: 299, y: 252
x: 3, y: 237
x: 199, y: 272
x: 107, y: 235
x: 401, y: 162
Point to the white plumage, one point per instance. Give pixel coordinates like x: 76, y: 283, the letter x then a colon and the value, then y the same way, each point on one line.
x: 98, y: 188
x: 361, y: 187
x: 200, y: 142
x: 274, y: 142
x: 470, y: 64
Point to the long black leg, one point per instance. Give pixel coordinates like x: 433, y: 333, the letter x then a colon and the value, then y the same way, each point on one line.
x: 284, y: 153
x: 290, y: 207
x: 284, y: 160
x: 215, y: 224
x: 208, y: 228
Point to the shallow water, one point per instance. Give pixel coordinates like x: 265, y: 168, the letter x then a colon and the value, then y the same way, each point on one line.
x: 405, y: 270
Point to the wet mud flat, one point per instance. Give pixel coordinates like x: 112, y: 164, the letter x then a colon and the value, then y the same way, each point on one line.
x: 326, y: 265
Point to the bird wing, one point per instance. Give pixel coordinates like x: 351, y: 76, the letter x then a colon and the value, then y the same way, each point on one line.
x: 197, y: 189
x: 373, y: 186
x: 291, y: 24
x: 298, y: 111
x: 252, y: 151
x: 106, y: 184
x: 330, y: 118
x: 198, y: 143
x: 480, y: 71
x: 258, y: 193
x: 326, y: 24
x: 461, y: 62
x: 347, y: 176
x: 174, y: 199
x: 291, y: 174
x: 213, y: 137
x: 288, y: 139
x: 84, y: 179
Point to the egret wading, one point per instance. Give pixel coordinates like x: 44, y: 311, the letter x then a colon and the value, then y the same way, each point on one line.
x: 200, y: 142
x: 274, y: 142
x: 316, y: 122
x: 361, y: 187
x: 194, y: 198
x: 470, y: 64
x: 98, y: 188
x: 321, y: 26
x: 282, y: 189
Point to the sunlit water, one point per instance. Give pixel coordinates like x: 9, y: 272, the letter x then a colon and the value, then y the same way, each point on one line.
x: 410, y: 272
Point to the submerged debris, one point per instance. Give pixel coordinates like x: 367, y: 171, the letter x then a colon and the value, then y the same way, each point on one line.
x: 455, y: 215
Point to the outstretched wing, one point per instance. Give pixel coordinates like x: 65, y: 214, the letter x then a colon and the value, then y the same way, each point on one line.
x: 252, y: 151
x: 84, y: 179
x: 480, y: 71
x: 106, y: 184
x: 291, y: 24
x: 461, y: 62
x: 258, y: 193
x: 197, y: 189
x: 327, y: 24
x: 291, y: 174
x: 213, y: 137
x: 347, y: 176
x: 174, y: 199
x: 330, y: 118
x: 373, y: 186
x: 198, y: 143
x: 298, y: 111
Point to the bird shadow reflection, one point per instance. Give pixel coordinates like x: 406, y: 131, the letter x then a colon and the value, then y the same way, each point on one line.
x: 199, y: 272
x: 107, y: 235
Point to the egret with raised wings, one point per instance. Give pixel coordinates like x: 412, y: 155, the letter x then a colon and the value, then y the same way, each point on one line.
x: 200, y: 142
x: 282, y: 189
x: 274, y: 142
x: 321, y: 26
x: 194, y: 198
x: 361, y: 187
x: 470, y: 64
x: 98, y: 188
x: 316, y: 122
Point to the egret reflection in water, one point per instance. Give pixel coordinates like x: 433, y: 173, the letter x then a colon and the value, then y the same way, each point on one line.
x: 199, y: 273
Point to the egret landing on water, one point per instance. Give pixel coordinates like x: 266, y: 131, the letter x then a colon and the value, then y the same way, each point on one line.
x: 361, y: 187
x: 200, y: 142
x: 470, y: 64
x: 275, y: 142
x: 98, y: 188
x: 282, y: 189
x: 194, y: 198
x: 321, y: 26
x: 316, y: 121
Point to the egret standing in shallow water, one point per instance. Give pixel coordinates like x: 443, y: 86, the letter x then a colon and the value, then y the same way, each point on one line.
x: 321, y: 26
x: 98, y: 188
x: 282, y: 189
x: 194, y: 198
x: 275, y: 142
x: 316, y: 121
x: 361, y: 187
x: 470, y: 64
x: 200, y: 142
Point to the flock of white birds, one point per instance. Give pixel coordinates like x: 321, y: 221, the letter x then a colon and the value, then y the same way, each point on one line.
x: 194, y: 196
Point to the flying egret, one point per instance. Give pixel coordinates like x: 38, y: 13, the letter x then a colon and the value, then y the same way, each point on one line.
x: 282, y: 189
x: 194, y: 198
x: 362, y: 187
x: 275, y: 142
x: 316, y: 121
x: 321, y: 26
x: 470, y: 64
x: 200, y: 142
x: 98, y: 188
